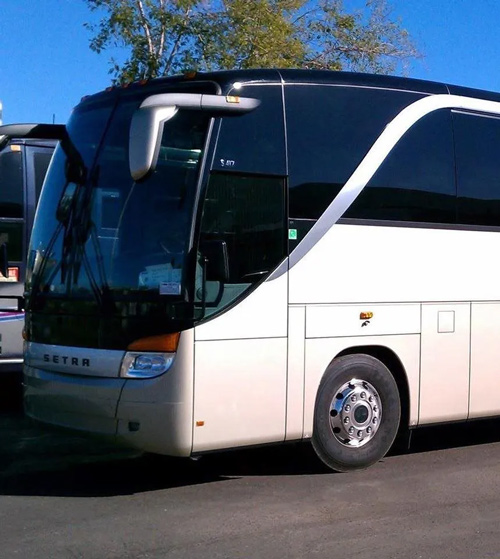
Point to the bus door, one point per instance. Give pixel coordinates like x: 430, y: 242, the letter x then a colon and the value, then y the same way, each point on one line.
x: 240, y: 364
x: 241, y: 346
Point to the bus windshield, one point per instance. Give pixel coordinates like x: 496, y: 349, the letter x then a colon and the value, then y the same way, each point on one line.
x: 105, y: 246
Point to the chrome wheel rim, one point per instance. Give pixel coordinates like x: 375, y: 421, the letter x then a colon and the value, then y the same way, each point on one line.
x: 355, y: 413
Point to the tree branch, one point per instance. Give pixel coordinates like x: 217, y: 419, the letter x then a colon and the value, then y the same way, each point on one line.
x: 145, y: 26
x: 175, y: 46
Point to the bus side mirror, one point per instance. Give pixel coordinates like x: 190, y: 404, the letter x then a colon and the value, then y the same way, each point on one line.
x: 146, y: 130
x: 216, y: 260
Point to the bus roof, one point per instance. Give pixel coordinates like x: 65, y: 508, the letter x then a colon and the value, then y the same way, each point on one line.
x: 225, y: 80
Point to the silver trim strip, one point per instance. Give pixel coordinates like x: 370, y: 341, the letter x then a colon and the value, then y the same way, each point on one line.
x: 359, y: 86
x: 392, y: 133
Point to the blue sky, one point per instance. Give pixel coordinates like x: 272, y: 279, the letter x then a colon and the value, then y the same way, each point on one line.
x: 46, y: 65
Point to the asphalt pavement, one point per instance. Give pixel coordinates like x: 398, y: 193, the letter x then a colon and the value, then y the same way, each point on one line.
x: 64, y: 496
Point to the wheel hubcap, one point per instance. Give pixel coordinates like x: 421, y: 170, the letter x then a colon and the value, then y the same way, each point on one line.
x: 355, y: 413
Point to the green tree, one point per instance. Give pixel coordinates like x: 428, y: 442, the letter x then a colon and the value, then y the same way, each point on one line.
x: 164, y: 37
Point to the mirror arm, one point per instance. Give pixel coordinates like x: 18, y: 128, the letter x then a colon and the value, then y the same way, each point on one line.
x: 201, y: 102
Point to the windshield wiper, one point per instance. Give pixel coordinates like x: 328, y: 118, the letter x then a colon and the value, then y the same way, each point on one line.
x: 71, y: 211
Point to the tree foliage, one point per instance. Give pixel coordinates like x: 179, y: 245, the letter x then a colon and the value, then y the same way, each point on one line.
x: 164, y: 37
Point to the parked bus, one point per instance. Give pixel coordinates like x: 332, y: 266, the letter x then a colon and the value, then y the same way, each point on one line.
x: 23, y: 164
x: 241, y: 258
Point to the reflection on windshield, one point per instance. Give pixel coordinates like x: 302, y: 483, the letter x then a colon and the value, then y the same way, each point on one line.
x: 120, y: 238
x: 53, y: 232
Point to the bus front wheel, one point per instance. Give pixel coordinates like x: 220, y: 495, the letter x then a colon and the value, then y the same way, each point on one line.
x: 357, y: 413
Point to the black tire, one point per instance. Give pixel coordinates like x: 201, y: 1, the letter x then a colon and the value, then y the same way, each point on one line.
x: 336, y: 455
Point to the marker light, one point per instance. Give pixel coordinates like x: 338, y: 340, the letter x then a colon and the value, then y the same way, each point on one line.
x: 145, y: 365
x: 13, y: 273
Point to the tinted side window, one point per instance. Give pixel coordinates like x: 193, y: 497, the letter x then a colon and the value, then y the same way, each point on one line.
x: 255, y: 142
x: 244, y: 222
x: 12, y: 202
x: 477, y: 144
x: 330, y: 130
x: 12, y: 234
x: 11, y: 183
x: 416, y: 181
x: 41, y: 163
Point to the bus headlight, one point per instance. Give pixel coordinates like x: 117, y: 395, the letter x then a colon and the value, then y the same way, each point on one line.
x: 145, y: 365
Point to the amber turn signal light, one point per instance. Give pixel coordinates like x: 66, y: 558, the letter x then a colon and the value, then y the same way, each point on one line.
x: 165, y: 343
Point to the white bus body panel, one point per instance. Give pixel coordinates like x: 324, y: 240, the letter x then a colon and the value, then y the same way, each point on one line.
x: 262, y: 314
x: 396, y: 265
x: 240, y: 392
x: 295, y: 373
x: 241, y: 365
x: 327, y: 321
x: 485, y: 360
x: 377, y: 264
x: 444, y: 387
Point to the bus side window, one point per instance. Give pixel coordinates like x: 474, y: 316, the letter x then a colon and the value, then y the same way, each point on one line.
x: 41, y: 160
x: 330, y: 129
x: 478, y: 169
x: 12, y: 201
x: 254, y: 142
x: 416, y: 182
x: 247, y: 214
x: 11, y: 182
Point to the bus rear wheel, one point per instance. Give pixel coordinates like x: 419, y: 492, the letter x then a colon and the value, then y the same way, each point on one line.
x: 357, y: 413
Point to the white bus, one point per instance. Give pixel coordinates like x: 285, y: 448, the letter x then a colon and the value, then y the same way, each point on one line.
x: 243, y: 258
x: 23, y: 164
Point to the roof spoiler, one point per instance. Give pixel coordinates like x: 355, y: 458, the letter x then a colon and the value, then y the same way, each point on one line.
x: 31, y: 131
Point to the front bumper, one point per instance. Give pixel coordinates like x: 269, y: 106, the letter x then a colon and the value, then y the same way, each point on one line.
x: 153, y: 415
